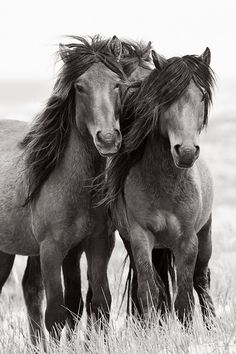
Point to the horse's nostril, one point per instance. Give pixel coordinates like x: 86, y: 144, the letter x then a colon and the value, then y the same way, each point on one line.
x: 118, y: 135
x: 197, y: 152
x: 177, y: 149
x: 99, y: 136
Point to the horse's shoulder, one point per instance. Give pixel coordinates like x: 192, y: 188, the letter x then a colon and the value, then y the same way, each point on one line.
x: 203, y: 171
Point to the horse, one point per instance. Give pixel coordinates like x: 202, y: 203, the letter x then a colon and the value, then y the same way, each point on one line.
x: 159, y: 190
x: 135, y: 60
x: 137, y: 64
x: 46, y: 195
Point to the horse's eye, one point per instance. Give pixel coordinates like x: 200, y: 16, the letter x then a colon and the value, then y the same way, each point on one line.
x: 117, y: 86
x: 79, y: 88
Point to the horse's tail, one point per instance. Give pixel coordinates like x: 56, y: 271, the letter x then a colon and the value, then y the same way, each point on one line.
x: 163, y: 262
x: 172, y: 278
x: 128, y: 285
x: 127, y: 289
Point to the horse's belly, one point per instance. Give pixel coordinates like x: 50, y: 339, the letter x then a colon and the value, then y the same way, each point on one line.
x: 16, y: 236
x: 23, y: 245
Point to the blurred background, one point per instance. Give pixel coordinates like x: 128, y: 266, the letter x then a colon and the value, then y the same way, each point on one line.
x: 30, y: 32
x: 29, y: 35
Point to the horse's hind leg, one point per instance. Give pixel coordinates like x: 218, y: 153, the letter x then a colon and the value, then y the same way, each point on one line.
x: 52, y: 254
x: 33, y: 291
x: 163, y: 263
x: 72, y: 280
x: 6, y: 263
x: 202, y: 271
x: 136, y: 310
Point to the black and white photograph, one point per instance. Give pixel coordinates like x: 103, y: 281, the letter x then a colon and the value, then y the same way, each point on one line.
x: 118, y: 177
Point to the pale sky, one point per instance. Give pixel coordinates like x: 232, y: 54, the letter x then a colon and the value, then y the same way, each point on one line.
x: 30, y: 30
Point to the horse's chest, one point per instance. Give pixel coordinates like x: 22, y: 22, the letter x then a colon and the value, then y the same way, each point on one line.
x: 162, y: 203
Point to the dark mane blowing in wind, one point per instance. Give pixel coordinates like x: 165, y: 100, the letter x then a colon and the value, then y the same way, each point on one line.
x: 48, y: 137
x: 135, y: 54
x: 142, y: 108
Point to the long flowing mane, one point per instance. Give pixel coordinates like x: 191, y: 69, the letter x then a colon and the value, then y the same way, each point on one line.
x: 135, y: 54
x: 140, y: 113
x: 48, y: 137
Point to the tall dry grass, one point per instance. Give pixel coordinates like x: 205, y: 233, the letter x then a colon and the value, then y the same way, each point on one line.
x: 218, y: 148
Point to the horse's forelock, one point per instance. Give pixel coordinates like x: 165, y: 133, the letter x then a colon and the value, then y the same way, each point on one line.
x: 135, y: 54
x: 163, y: 87
x: 87, y: 52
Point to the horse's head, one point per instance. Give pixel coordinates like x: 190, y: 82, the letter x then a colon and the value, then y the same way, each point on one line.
x: 97, y: 104
x: 136, y: 60
x: 182, y: 123
x: 186, y: 95
x: 97, y: 92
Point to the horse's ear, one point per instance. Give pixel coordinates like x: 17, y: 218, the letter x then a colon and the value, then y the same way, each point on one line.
x: 206, y: 56
x: 64, y: 52
x: 158, y: 60
x: 147, y: 50
x: 116, y: 47
x: 126, y: 50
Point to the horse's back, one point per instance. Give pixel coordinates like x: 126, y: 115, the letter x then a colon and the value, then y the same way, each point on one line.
x: 15, y: 229
x: 11, y: 162
x: 11, y: 133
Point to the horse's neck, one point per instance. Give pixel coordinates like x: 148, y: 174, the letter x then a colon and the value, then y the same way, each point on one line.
x: 157, y: 160
x: 81, y: 158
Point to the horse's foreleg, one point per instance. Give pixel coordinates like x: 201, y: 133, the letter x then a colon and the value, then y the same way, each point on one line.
x: 185, y: 258
x: 202, y: 272
x: 6, y: 263
x: 51, y: 257
x: 72, y: 280
x: 33, y: 291
x: 98, y: 249
x: 149, y: 292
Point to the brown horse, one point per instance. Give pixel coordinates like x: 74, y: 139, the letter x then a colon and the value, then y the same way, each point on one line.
x: 46, y: 198
x: 160, y: 193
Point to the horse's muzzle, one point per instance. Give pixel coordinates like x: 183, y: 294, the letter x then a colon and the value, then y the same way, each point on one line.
x: 108, y: 141
x: 185, y: 156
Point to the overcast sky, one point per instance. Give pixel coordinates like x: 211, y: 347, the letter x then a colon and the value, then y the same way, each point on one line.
x: 29, y: 30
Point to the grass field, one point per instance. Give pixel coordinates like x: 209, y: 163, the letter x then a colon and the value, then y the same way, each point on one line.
x: 219, y: 149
